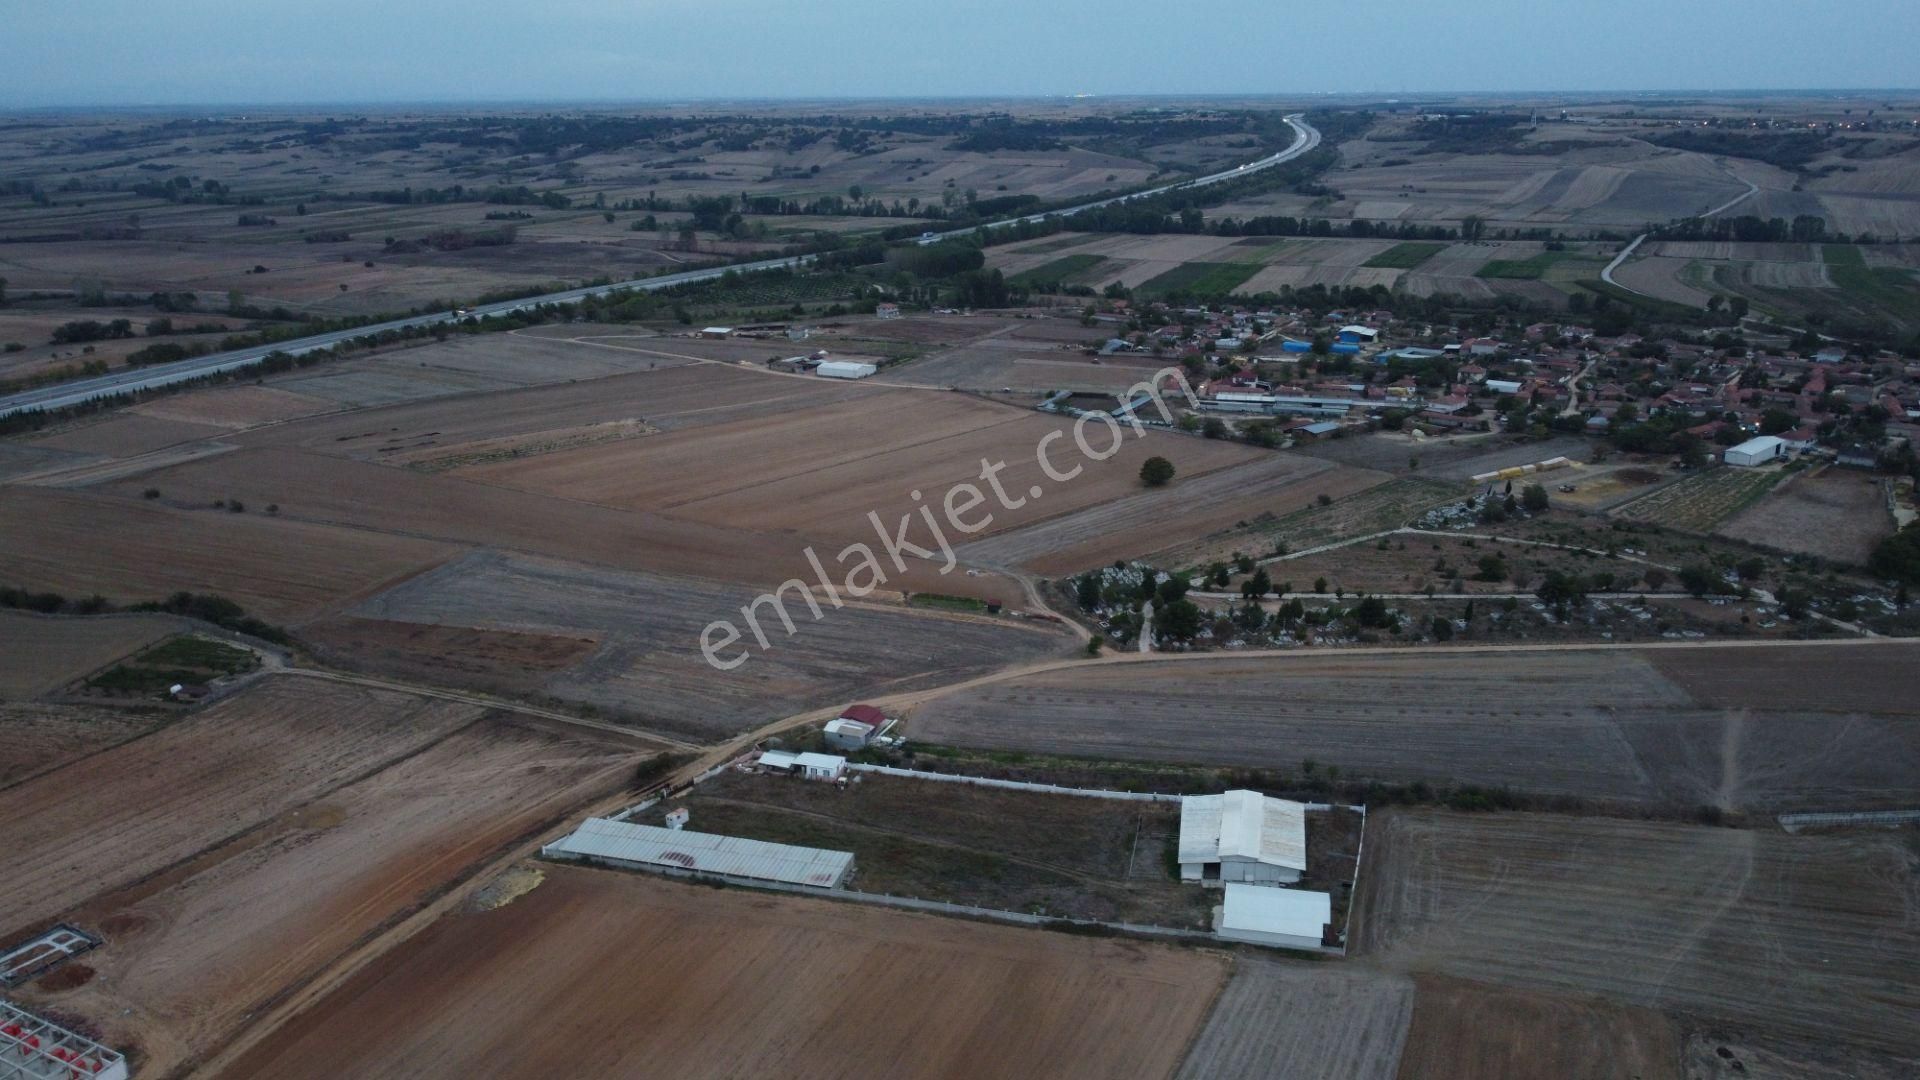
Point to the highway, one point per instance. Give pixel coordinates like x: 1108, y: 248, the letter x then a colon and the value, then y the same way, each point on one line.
x: 80, y: 391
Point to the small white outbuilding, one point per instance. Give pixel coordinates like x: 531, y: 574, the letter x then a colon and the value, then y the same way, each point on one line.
x: 1264, y: 915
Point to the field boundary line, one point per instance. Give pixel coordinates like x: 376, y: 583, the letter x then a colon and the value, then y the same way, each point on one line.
x: 1793, y: 823
x: 484, y: 702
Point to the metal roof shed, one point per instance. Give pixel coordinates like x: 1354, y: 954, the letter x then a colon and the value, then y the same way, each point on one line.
x: 1242, y: 836
x: 1264, y: 915
x: 624, y: 843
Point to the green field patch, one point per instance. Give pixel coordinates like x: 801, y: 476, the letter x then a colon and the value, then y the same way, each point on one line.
x: 1701, y: 501
x: 1886, y: 289
x: 945, y: 602
x: 183, y: 659
x: 1258, y: 250
x: 1059, y: 243
x: 1404, y: 256
x: 1530, y: 269
x: 1061, y: 271
x: 1198, y: 279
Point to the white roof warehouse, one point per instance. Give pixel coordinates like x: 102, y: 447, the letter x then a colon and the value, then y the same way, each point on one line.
x: 623, y: 843
x: 1242, y: 836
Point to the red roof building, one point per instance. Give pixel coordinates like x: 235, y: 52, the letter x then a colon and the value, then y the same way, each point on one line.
x: 865, y: 714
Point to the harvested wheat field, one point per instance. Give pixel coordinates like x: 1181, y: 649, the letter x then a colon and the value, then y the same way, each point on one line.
x: 42, y: 737
x: 647, y: 664
x: 107, y: 820
x: 1285, y: 1020
x: 41, y: 653
x: 1157, y: 519
x: 495, y: 661
x: 603, y: 973
x: 1667, y: 727
x: 233, y: 407
x: 680, y: 394
x: 195, y: 951
x: 371, y: 500
x: 126, y: 434
x: 1471, y: 1031
x: 1809, y: 935
x: 811, y: 474
x: 1835, y: 515
x: 131, y: 550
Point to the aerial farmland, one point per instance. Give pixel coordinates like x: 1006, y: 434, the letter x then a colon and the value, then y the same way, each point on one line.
x: 1234, y: 587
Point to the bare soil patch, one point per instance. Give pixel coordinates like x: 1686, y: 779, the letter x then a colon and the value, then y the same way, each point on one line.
x: 1027, y: 851
x: 1761, y: 730
x: 648, y: 664
x: 41, y: 737
x: 1803, y: 935
x: 107, y: 820
x: 209, y: 944
x: 1470, y: 1031
x: 127, y: 434
x: 233, y: 407
x: 131, y: 550
x: 962, y: 999
x: 496, y: 661
x: 1835, y: 515
x: 1158, y: 519
x: 1280, y: 1020
x: 43, y: 653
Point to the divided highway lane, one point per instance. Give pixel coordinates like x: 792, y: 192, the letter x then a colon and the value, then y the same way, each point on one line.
x: 80, y: 391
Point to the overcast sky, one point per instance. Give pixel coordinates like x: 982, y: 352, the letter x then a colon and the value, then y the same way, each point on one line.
x: 124, y: 52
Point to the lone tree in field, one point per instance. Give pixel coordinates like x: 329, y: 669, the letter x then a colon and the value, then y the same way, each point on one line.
x: 1534, y: 498
x: 1156, y: 471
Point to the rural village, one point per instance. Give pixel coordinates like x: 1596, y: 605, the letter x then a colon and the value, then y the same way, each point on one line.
x: 526, y: 595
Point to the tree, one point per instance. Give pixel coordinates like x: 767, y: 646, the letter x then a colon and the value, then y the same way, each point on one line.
x: 1492, y: 568
x: 1560, y: 589
x: 1156, y: 471
x: 1738, y: 307
x: 1214, y: 428
x: 1472, y: 228
x: 1178, y: 621
x: 1170, y: 590
x: 3, y: 290
x: 1534, y: 498
x: 1698, y: 580
x: 1372, y: 613
x: 1442, y: 628
x: 1257, y: 586
x: 1776, y: 420
x: 1087, y: 591
x: 1655, y: 578
x: 1897, y: 558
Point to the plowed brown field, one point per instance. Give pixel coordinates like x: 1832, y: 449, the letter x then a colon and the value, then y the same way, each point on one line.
x: 107, y: 820
x: 1809, y: 935
x: 603, y: 973
x: 193, y: 952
